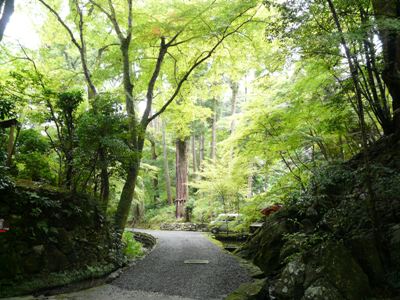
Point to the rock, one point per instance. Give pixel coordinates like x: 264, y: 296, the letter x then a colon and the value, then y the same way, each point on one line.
x: 290, y: 283
x: 33, y: 263
x: 270, y: 244
x: 10, y: 265
x: 321, y: 290
x: 394, y: 239
x: 38, y: 249
x: 333, y: 263
x: 180, y: 226
x: 55, y: 260
x: 65, y: 240
x: 250, y: 291
x: 364, y: 250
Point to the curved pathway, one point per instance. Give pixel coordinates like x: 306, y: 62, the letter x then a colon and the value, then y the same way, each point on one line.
x: 164, y: 275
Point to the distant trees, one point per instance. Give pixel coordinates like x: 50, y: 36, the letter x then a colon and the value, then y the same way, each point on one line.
x: 260, y: 104
x: 168, y: 37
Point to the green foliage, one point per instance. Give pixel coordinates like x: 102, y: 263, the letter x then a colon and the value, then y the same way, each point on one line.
x: 297, y: 244
x: 6, y: 182
x: 7, y: 108
x: 32, y: 157
x: 155, y: 217
x: 133, y: 248
x: 220, y: 189
x: 30, y: 140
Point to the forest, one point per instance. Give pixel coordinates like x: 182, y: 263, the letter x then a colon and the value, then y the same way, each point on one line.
x: 149, y: 113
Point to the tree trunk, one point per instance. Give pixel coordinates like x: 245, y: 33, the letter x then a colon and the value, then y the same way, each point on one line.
x: 124, y: 204
x: 201, y: 150
x: 213, y: 148
x: 390, y: 38
x: 194, y: 154
x: 250, y: 185
x: 6, y: 9
x: 69, y: 172
x: 10, y: 147
x: 181, y: 178
x: 154, y: 157
x: 235, y: 88
x: 166, y: 166
x: 104, y: 179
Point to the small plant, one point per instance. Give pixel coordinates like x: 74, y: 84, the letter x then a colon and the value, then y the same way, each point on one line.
x: 133, y: 248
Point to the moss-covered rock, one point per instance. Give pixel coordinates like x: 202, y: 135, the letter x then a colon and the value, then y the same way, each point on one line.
x: 250, y: 291
x: 342, y: 236
x: 322, y: 289
x: 271, y: 241
x: 334, y: 263
x: 52, y: 231
x: 289, y: 285
x: 365, y: 252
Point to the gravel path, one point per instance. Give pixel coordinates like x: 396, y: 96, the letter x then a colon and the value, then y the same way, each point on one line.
x: 163, y: 275
x: 164, y: 270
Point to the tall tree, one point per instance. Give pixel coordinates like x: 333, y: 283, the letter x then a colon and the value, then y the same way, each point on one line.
x: 171, y: 35
x: 387, y: 13
x: 182, y: 189
x: 213, y: 144
x: 194, y: 153
x: 166, y: 165
x: 79, y: 41
x: 6, y: 10
x: 235, y: 89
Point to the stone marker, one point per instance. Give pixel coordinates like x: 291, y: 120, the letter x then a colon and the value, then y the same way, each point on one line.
x: 196, y: 261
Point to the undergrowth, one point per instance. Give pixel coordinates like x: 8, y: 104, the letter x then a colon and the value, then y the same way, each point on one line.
x: 133, y: 248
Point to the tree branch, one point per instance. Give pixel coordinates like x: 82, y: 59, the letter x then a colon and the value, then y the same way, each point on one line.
x: 61, y: 21
x: 199, y: 60
x: 153, y: 79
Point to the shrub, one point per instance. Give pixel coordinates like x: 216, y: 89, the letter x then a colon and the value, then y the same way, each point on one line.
x: 133, y: 248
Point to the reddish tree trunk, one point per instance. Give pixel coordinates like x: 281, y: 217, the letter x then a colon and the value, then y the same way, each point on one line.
x: 181, y: 178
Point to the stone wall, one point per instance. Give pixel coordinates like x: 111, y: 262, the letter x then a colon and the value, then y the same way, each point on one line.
x: 51, y: 232
x: 324, y: 243
x: 183, y: 227
x: 146, y: 239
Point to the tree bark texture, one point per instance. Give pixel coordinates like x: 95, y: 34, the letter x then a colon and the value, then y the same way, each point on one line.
x: 389, y: 10
x: 166, y: 166
x: 181, y: 178
x: 201, y: 150
x: 194, y: 154
x: 235, y: 89
x: 6, y: 10
x: 10, y: 146
x: 124, y: 204
x: 154, y: 157
x: 104, y: 178
x: 213, y: 148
